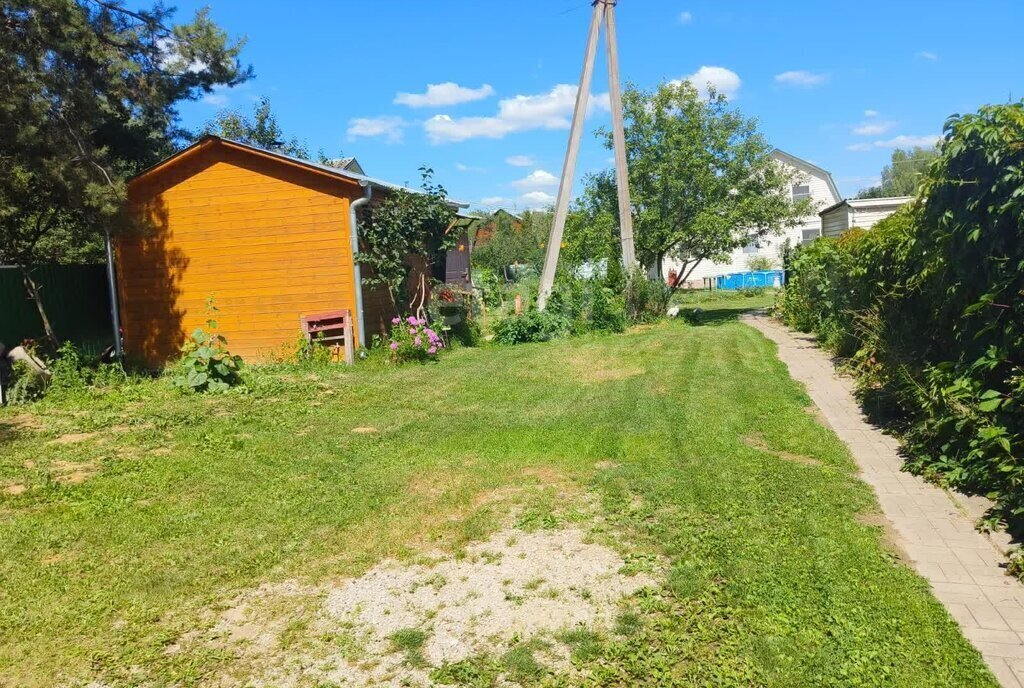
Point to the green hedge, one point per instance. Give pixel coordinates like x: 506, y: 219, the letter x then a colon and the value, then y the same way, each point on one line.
x: 927, y: 308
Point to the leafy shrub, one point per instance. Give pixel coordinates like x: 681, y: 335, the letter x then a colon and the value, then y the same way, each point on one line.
x: 927, y: 308
x: 27, y: 385
x: 412, y: 340
x: 750, y: 292
x: 645, y: 299
x: 532, y: 326
x: 206, y: 364
x: 760, y: 263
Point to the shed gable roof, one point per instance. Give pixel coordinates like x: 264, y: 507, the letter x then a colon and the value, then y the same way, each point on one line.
x: 209, y: 141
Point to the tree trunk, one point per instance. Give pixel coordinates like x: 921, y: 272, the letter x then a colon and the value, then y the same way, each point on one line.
x: 658, y: 261
x: 33, y: 291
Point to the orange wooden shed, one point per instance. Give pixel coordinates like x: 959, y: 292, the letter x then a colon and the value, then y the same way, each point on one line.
x: 267, y: 235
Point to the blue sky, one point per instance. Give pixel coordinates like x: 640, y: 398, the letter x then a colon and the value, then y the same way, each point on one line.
x: 836, y: 83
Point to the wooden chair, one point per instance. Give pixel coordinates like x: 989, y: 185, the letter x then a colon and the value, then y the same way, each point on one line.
x: 333, y: 329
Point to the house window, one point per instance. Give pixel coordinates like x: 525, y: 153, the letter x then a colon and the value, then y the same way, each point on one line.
x: 801, y: 191
x: 752, y: 247
x: 809, y: 235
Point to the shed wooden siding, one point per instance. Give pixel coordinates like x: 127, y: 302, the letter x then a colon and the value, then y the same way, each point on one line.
x: 270, y: 242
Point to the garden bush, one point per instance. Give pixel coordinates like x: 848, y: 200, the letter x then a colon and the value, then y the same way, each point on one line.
x: 927, y: 308
x: 532, y: 326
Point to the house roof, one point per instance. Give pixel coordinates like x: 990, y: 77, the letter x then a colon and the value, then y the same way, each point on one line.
x: 338, y: 173
x: 869, y: 203
x: 825, y: 174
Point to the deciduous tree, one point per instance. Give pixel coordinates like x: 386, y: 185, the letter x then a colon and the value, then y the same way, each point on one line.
x: 260, y: 130
x: 702, y: 178
x: 904, y: 173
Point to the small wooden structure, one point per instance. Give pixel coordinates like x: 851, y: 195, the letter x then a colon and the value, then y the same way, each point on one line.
x: 333, y: 329
x: 268, y: 236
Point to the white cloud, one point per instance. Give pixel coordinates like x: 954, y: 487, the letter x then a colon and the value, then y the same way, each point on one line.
x: 927, y: 55
x: 685, y: 18
x: 873, y: 128
x: 536, y: 199
x: 520, y: 160
x: 448, y: 93
x: 538, y: 179
x: 902, y: 141
x: 216, y: 99
x: 801, y: 78
x: 522, y: 113
x: 722, y: 80
x: 391, y: 128
x: 493, y: 201
x: 462, y: 167
x: 871, y: 113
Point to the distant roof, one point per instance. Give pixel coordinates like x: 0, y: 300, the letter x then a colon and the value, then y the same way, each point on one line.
x: 349, y: 164
x: 335, y: 172
x: 864, y: 203
x: 820, y: 170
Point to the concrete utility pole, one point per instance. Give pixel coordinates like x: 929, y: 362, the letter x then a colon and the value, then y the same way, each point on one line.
x: 604, y: 12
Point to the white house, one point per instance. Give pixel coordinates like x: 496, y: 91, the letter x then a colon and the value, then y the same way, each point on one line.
x: 809, y: 181
x: 858, y: 212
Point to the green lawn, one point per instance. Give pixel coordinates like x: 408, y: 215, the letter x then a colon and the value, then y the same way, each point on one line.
x: 143, y: 512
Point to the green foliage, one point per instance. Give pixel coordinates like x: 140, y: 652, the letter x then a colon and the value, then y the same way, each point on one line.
x: 206, y: 364
x: 589, y: 305
x: 760, y: 263
x: 701, y: 177
x: 402, y: 224
x: 506, y: 240
x: 927, y: 307
x: 260, y: 130
x: 646, y: 299
x: 27, y: 385
x: 904, y: 174
x: 531, y: 326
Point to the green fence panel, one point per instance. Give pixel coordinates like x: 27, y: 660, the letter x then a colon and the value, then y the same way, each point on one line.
x: 76, y: 299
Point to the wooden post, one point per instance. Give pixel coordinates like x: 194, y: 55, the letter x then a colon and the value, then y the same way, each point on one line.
x: 519, y: 304
x: 547, y: 278
x: 350, y: 345
x: 619, y: 138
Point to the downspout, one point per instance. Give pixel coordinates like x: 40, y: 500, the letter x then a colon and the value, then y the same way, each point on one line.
x: 353, y: 222
x: 115, y: 308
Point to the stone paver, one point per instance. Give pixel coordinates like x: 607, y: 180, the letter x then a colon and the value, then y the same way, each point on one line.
x: 935, y: 528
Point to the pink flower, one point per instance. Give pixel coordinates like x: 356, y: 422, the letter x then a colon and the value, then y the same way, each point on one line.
x: 418, y: 341
x: 421, y: 321
x: 394, y: 346
x: 395, y: 321
x: 412, y: 330
x: 411, y: 320
x: 432, y: 350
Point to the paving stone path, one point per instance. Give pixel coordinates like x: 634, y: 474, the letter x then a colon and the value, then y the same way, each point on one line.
x: 934, y: 527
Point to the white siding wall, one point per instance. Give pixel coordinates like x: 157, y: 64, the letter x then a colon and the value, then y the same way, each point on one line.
x: 836, y: 221
x: 866, y: 219
x: 771, y: 246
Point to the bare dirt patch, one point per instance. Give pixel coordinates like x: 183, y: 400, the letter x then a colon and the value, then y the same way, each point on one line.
x: 365, y: 430
x: 757, y: 441
x: 73, y: 473
x: 15, y: 489
x: 514, y: 587
x: 890, y: 539
x: 606, y: 465
x: 814, y: 412
x: 73, y: 438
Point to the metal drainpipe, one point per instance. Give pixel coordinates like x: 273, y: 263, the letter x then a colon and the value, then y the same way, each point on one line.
x: 353, y: 222
x: 115, y: 308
